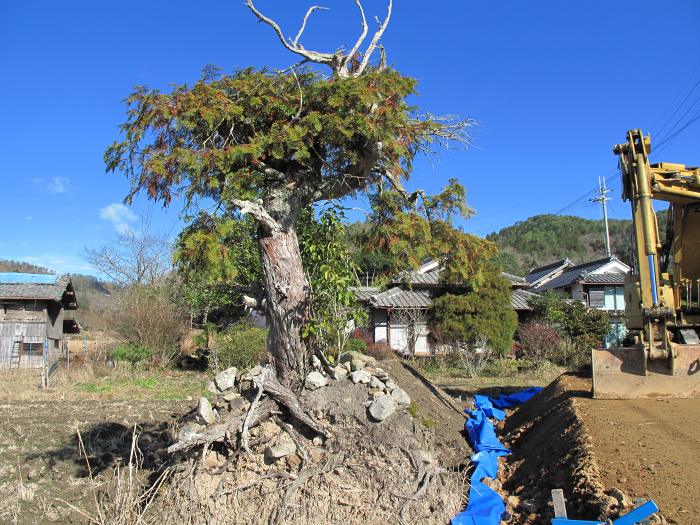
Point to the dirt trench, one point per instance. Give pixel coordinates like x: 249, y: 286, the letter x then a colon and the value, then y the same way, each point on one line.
x: 603, y: 454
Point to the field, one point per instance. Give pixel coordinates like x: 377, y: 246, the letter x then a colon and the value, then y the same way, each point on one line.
x: 597, y: 451
x: 42, y: 464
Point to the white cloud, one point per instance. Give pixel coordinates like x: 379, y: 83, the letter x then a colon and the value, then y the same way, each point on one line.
x: 59, y: 184
x: 119, y: 215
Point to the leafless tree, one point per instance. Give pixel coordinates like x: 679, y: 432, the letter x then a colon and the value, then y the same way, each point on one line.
x: 414, y: 322
x: 133, y: 257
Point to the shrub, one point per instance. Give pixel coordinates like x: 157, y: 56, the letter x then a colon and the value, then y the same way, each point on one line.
x: 538, y: 341
x: 132, y: 354
x: 356, y: 345
x: 242, y: 345
x: 147, y: 317
x: 380, y: 351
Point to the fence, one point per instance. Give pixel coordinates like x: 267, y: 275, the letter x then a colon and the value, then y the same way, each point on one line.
x: 70, y: 352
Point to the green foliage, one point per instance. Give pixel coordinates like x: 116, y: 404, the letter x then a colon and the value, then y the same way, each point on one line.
x: 476, y: 314
x: 241, y: 345
x: 581, y: 328
x: 215, y: 257
x: 218, y: 137
x: 543, y: 239
x: 356, y: 345
x: 132, y: 354
x: 572, y: 318
x: 402, y: 235
x: 331, y: 274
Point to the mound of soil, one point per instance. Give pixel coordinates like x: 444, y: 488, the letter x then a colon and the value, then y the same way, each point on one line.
x: 366, y: 471
x: 551, y: 449
x: 603, y: 453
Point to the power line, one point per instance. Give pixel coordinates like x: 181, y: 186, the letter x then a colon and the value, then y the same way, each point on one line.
x: 676, y: 96
x: 670, y: 118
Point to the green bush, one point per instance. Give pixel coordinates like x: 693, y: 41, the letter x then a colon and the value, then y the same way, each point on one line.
x: 241, y: 345
x: 356, y: 345
x: 132, y: 354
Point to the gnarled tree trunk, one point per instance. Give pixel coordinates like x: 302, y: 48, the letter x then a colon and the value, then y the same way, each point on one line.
x: 288, y: 299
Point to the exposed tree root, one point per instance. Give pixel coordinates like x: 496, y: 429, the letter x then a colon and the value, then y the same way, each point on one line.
x: 277, y: 516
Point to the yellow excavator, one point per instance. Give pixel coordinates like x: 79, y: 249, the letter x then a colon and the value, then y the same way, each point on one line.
x: 662, y: 293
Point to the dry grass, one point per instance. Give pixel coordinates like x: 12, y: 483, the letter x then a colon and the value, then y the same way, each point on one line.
x: 97, y: 382
x: 128, y: 499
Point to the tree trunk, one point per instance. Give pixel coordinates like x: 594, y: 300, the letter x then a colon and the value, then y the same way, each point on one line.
x: 287, y: 304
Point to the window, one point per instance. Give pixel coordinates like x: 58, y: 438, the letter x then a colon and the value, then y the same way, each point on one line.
x: 614, y: 298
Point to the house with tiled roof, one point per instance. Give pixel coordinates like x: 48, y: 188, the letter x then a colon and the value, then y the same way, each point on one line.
x: 598, y: 284
x: 32, y: 317
x: 399, y: 315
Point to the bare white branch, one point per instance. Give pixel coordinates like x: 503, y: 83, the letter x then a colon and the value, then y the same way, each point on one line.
x: 256, y: 211
x: 314, y: 56
x: 375, y: 40
x: 340, y: 61
x: 361, y: 38
x: 313, y: 8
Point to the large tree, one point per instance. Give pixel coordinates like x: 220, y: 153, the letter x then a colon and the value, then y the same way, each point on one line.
x: 271, y: 143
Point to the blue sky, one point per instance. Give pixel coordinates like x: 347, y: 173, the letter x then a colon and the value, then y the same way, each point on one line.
x: 554, y: 85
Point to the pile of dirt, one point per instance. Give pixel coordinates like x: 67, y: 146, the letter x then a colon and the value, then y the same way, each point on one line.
x: 551, y: 449
x: 352, y: 468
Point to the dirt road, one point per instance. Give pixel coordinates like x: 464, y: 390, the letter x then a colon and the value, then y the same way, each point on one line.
x: 649, y: 449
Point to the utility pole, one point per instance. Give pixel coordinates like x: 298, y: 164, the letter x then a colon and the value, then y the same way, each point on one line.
x: 602, y: 198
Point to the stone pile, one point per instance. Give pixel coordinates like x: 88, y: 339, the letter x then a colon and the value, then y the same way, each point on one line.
x: 385, y: 396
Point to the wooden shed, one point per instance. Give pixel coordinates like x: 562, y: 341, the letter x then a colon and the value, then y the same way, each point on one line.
x: 32, y: 313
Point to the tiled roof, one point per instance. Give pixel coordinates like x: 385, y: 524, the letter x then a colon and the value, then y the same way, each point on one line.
x: 537, y: 273
x: 514, y: 279
x: 365, y: 293
x: 398, y: 298
x: 426, y: 279
x: 33, y: 286
x: 604, y: 278
x: 575, y: 273
x: 520, y: 300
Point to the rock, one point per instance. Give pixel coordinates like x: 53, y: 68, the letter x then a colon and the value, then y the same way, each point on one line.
x: 528, y: 506
x: 376, y: 383
x: 226, y: 380
x: 212, y: 387
x: 357, y: 364
x: 347, y: 367
x: 400, y: 396
x: 284, y: 447
x: 230, y: 396
x: 339, y: 372
x: 514, y: 501
x: 352, y: 355
x: 390, y: 385
x: 360, y: 376
x: 315, y: 362
x: 425, y: 457
x: 622, y: 499
x: 317, y: 440
x: 205, y: 412
x: 382, y: 407
x: 315, y: 380
x: 188, y: 430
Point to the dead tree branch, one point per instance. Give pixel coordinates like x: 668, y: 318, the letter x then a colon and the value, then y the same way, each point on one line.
x: 340, y: 62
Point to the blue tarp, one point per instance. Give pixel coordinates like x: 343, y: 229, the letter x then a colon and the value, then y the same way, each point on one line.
x: 516, y: 398
x: 485, y: 505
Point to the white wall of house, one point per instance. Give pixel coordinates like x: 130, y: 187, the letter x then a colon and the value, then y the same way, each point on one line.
x: 380, y: 318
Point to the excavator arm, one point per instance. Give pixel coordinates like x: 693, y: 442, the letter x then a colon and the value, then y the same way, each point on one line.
x: 662, y: 294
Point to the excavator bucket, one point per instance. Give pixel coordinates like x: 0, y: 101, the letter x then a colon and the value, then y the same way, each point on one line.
x: 625, y: 373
